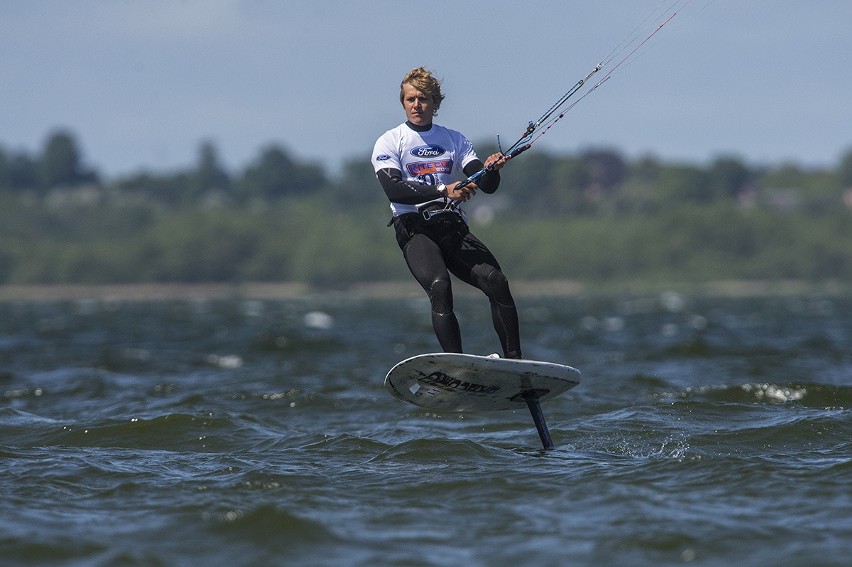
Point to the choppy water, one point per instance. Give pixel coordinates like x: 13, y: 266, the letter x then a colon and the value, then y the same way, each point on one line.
x: 704, y: 432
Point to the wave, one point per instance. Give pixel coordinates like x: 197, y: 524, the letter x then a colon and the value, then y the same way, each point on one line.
x: 810, y: 394
x: 169, y: 432
x: 265, y: 521
x: 434, y: 450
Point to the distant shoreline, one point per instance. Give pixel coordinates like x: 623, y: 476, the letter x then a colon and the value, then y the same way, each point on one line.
x: 395, y: 289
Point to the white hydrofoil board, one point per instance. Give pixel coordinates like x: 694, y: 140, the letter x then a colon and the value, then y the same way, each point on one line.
x: 466, y: 382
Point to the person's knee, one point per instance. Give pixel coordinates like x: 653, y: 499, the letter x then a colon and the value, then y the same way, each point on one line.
x: 498, y: 288
x: 441, y: 295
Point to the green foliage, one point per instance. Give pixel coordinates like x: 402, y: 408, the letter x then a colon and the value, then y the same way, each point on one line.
x: 19, y: 172
x: 593, y: 217
x: 687, y: 243
x: 61, y: 163
x: 210, y: 175
x: 276, y: 175
x: 844, y: 170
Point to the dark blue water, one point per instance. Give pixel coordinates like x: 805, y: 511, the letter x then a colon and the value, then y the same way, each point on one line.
x: 704, y: 432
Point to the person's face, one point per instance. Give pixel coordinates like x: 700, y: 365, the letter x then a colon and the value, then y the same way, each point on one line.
x: 419, y: 107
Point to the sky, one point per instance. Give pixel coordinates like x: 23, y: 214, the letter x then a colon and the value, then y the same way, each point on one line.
x: 141, y: 84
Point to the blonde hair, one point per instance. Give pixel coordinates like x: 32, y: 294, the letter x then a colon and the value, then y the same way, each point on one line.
x: 423, y: 81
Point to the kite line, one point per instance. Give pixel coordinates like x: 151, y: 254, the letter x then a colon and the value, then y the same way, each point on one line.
x: 621, y: 55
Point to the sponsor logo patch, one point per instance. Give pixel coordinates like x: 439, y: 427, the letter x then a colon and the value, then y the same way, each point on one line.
x: 428, y: 151
x: 425, y: 167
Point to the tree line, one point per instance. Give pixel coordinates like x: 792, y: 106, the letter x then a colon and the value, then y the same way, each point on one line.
x: 594, y: 216
x: 540, y: 182
x: 60, y: 167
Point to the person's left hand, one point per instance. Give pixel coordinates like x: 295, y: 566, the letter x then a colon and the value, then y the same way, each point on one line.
x: 495, y: 161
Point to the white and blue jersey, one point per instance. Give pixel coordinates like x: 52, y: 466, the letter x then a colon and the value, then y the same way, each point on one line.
x: 431, y: 157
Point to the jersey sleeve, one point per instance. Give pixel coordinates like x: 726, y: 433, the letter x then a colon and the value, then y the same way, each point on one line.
x: 466, y: 152
x: 385, y: 153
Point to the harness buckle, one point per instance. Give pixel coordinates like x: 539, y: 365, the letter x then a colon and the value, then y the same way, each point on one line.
x: 429, y: 213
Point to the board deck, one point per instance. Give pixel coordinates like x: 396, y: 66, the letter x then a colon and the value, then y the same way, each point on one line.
x: 466, y: 382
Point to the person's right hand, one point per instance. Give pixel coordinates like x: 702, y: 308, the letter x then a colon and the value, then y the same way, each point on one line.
x: 459, y: 192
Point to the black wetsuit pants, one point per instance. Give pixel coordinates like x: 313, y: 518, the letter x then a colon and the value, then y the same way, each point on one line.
x: 442, y: 245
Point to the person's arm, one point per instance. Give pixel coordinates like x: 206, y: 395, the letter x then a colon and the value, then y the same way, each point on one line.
x: 489, y: 181
x: 405, y: 192
x: 399, y: 190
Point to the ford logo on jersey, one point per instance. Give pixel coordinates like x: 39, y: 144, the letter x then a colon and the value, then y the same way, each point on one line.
x: 429, y: 151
